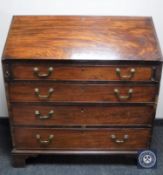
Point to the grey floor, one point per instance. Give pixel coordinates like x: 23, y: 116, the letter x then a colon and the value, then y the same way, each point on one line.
x: 78, y: 165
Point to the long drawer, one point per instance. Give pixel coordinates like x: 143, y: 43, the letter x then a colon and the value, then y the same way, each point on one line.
x: 38, y: 71
x: 77, y: 92
x: 49, y: 115
x: 90, y: 139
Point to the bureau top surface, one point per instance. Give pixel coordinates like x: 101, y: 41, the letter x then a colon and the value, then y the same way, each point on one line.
x: 82, y: 38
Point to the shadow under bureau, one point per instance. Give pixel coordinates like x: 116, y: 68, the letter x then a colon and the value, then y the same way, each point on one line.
x: 81, y: 85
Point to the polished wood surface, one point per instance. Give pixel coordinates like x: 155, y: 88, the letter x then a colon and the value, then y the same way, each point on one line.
x: 83, y: 72
x: 91, y: 139
x: 81, y: 85
x: 82, y: 115
x: 82, y: 38
x: 76, y: 92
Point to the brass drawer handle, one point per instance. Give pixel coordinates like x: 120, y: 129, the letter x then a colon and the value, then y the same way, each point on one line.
x: 44, y: 142
x: 43, y: 117
x: 119, y: 141
x: 123, y: 97
x: 37, y: 93
x: 125, y: 77
x: 42, y: 75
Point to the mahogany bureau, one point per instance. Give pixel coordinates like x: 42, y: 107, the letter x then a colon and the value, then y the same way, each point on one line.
x: 81, y: 85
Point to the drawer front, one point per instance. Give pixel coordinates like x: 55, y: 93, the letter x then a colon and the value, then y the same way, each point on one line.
x: 66, y: 92
x: 82, y: 72
x: 92, y: 139
x: 81, y: 115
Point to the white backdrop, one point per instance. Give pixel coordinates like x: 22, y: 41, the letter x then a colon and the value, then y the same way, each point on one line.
x: 8, y: 8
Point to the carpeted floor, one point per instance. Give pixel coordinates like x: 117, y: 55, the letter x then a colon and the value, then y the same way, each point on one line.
x: 78, y: 165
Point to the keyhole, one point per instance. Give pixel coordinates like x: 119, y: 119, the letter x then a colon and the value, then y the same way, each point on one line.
x: 6, y: 74
x: 82, y: 110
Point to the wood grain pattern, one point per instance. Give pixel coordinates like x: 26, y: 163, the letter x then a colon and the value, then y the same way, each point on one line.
x: 82, y: 115
x: 82, y: 38
x: 84, y: 53
x: 90, y: 139
x: 82, y: 72
x: 76, y: 92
